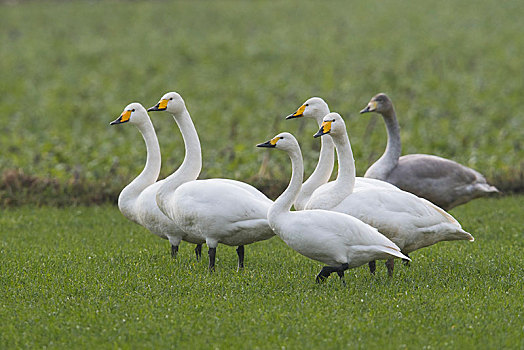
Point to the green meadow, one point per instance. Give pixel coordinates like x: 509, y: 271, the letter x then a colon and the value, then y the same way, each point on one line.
x: 86, y: 277
x: 74, y: 273
x: 452, y: 68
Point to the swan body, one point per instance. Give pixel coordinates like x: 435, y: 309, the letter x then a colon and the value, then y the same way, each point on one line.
x: 316, y: 108
x: 222, y: 211
x: 442, y: 181
x: 214, y: 210
x: 137, y: 201
x: 409, y: 221
x: 338, y: 240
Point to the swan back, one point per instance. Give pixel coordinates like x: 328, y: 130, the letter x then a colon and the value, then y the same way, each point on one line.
x: 333, y: 238
x: 222, y: 211
x: 442, y: 181
x: 409, y: 221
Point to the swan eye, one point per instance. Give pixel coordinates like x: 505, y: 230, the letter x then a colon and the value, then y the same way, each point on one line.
x: 171, y: 99
x: 307, y: 104
x: 133, y: 110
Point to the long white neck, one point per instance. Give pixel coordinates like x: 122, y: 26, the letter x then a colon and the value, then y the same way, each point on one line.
x: 323, y: 170
x: 148, y: 176
x: 190, y: 167
x: 389, y: 160
x: 345, y: 182
x: 286, y: 199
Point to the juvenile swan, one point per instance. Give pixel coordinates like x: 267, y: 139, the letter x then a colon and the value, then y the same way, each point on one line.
x: 409, y: 221
x: 338, y: 240
x: 215, y: 210
x: 441, y: 181
x: 316, y: 108
x: 137, y: 201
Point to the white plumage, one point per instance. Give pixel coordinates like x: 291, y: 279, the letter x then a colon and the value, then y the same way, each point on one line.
x: 137, y: 201
x: 316, y: 108
x: 215, y: 210
x: 222, y: 211
x: 336, y: 239
x: 409, y: 221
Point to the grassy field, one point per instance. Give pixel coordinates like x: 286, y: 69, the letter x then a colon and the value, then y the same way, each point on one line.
x: 86, y: 277
x: 453, y: 69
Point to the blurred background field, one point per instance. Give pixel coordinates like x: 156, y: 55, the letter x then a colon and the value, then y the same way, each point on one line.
x: 452, y: 68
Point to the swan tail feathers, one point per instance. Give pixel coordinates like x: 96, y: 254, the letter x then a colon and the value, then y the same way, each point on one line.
x: 449, y: 232
x: 488, y: 188
x: 395, y: 252
x: 467, y: 236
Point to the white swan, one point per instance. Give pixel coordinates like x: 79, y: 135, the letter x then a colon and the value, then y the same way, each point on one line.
x: 316, y: 108
x: 442, y: 181
x: 409, y: 221
x: 216, y: 210
x: 338, y: 240
x: 137, y: 201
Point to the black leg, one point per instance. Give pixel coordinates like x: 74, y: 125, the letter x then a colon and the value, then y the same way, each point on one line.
x: 240, y: 252
x: 324, y: 274
x: 406, y: 262
x: 328, y: 270
x: 390, y: 264
x: 212, y: 254
x: 342, y: 279
x: 372, y: 266
x: 174, y: 251
x: 198, y: 251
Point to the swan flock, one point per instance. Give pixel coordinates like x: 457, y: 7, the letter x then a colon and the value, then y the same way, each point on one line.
x: 399, y: 206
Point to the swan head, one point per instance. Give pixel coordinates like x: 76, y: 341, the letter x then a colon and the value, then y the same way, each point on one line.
x: 284, y: 141
x: 379, y: 103
x: 134, y: 113
x: 171, y: 102
x: 315, y: 108
x: 332, y: 124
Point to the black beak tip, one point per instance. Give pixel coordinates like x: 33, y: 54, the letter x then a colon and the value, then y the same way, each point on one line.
x: 266, y: 144
x: 365, y: 110
x: 320, y: 133
x: 152, y: 109
x: 291, y: 116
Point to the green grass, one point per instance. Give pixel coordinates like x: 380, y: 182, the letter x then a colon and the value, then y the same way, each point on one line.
x: 452, y: 68
x: 86, y: 277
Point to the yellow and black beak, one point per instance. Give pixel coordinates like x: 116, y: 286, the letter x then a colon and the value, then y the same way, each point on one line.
x: 271, y: 143
x: 371, y: 107
x: 122, y: 119
x: 298, y: 113
x: 160, y: 106
x: 325, y: 128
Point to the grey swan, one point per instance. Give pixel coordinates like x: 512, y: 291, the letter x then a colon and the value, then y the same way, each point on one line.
x: 442, y: 181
